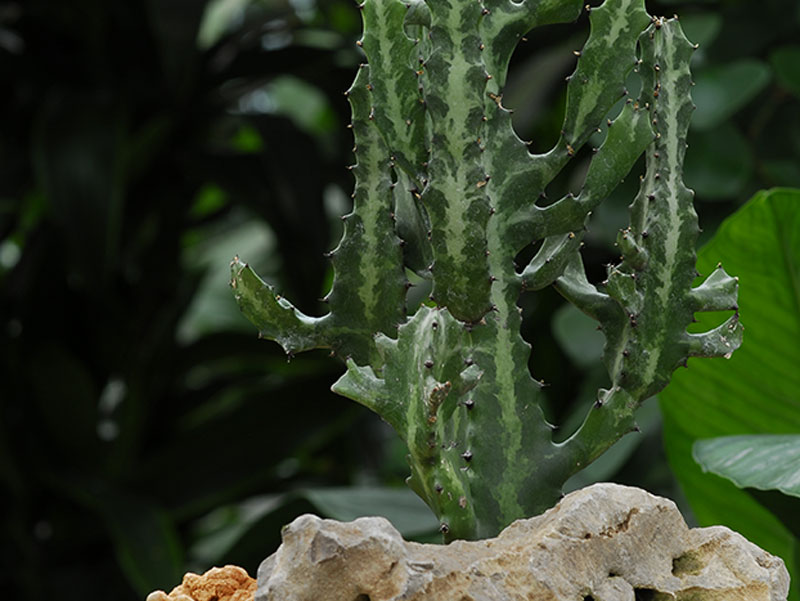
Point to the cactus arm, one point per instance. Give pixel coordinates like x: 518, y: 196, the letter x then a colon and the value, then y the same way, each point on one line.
x: 423, y: 386
x: 369, y: 286
x: 363, y: 386
x: 412, y: 226
x: 396, y: 103
x: 652, y: 284
x: 718, y: 293
x: 455, y: 196
x: 505, y: 23
x: 574, y: 286
x: 550, y: 261
x: 719, y: 342
x: 607, y: 57
x: 627, y: 139
x: 277, y: 319
x: 597, y: 83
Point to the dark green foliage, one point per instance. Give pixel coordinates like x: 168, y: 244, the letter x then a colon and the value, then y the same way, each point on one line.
x: 131, y: 404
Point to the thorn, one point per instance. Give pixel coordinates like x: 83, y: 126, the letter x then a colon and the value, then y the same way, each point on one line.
x: 467, y: 456
x: 428, y: 363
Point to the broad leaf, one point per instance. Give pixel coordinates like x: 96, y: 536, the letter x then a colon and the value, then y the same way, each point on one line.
x: 236, y: 532
x: 762, y: 461
x: 723, y: 90
x: 405, y: 510
x: 786, y: 63
x: 758, y: 389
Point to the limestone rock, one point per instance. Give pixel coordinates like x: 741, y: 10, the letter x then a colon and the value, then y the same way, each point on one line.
x: 230, y: 583
x: 603, y: 543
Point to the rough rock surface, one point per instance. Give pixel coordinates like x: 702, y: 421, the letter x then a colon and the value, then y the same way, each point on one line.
x: 230, y: 583
x: 603, y: 543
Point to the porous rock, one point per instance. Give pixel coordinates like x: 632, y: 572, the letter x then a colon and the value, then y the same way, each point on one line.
x: 228, y: 583
x: 603, y: 543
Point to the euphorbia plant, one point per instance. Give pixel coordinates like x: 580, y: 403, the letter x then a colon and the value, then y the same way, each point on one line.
x: 445, y: 188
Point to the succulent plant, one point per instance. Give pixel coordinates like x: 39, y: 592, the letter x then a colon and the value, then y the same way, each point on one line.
x: 446, y: 189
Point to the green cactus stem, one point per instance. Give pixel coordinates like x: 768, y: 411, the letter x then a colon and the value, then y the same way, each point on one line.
x: 444, y: 187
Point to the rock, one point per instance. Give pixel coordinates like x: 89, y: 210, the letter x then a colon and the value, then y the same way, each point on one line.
x: 603, y: 543
x: 230, y: 583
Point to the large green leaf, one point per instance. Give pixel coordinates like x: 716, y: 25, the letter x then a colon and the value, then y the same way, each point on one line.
x: 786, y: 63
x: 232, y: 532
x: 719, y: 163
x: 723, y: 90
x: 762, y: 461
x: 405, y: 510
x: 758, y: 389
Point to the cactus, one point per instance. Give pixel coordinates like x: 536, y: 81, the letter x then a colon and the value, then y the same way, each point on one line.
x: 445, y: 188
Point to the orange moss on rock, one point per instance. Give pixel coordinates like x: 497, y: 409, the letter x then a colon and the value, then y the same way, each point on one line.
x: 229, y: 583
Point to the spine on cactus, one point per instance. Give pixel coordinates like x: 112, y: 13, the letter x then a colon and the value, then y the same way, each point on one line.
x: 445, y: 188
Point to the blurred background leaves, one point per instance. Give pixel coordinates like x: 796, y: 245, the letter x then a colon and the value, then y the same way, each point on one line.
x: 144, y: 430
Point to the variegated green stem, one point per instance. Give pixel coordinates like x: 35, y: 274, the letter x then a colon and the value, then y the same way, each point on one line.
x: 648, y: 301
x: 369, y: 287
x: 439, y: 165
